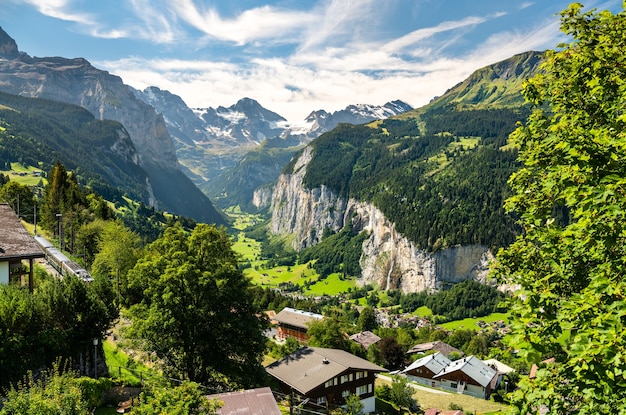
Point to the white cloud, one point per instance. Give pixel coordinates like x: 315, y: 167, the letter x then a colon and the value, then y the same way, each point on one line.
x: 265, y: 22
x: 59, y: 9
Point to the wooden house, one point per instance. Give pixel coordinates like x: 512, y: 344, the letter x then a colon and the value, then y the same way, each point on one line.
x: 326, y: 377
x: 425, y: 369
x: 294, y: 323
x: 469, y: 376
x: 18, y: 250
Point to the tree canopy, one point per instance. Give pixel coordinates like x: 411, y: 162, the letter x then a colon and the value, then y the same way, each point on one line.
x: 197, y: 311
x: 571, y: 195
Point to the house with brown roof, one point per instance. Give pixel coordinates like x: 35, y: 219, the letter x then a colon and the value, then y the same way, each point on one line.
x: 326, y: 377
x: 18, y: 250
x: 259, y: 401
x: 425, y: 369
x: 365, y: 338
x: 295, y: 323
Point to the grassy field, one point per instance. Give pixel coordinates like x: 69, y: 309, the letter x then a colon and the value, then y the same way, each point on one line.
x: 28, y: 176
x: 470, y: 323
x: 332, y: 285
x: 123, y: 368
x: 443, y: 401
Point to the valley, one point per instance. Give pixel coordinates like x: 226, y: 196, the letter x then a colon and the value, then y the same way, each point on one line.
x: 376, y: 258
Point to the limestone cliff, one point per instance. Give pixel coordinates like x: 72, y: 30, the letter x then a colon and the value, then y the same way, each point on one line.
x: 388, y: 259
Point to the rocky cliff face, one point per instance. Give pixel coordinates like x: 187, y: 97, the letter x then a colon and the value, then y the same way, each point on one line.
x: 77, y: 82
x: 389, y: 260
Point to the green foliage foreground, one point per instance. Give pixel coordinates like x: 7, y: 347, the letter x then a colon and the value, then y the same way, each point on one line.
x: 572, y: 271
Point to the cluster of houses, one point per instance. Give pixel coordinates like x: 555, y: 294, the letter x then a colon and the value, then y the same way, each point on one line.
x: 313, y: 376
x: 329, y: 376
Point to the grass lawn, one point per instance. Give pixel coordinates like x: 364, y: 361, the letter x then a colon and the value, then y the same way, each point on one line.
x: 423, y: 311
x: 331, y: 285
x: 28, y: 176
x: 247, y: 248
x: 470, y: 323
x: 442, y: 401
x: 274, y: 276
x: 122, y: 367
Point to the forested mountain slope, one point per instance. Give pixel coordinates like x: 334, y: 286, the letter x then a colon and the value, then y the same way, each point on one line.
x: 39, y: 132
x: 76, y: 81
x: 435, y: 176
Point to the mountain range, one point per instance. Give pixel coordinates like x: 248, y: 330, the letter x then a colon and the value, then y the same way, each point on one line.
x: 76, y: 81
x: 216, y: 146
x: 419, y: 192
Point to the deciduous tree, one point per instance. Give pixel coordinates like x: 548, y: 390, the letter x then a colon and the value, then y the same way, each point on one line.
x: 571, y: 269
x: 197, y: 312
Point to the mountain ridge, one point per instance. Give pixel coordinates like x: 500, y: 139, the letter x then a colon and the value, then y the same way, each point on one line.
x: 427, y: 185
x: 77, y: 82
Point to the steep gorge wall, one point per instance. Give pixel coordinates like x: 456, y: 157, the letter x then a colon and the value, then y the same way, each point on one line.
x: 388, y: 259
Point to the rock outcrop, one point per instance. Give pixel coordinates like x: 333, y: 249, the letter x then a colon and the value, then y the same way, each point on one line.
x: 389, y: 260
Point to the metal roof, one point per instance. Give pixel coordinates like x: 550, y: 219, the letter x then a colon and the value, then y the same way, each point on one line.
x: 435, y: 362
x: 310, y: 367
x: 15, y: 241
x: 258, y: 401
x: 472, y: 367
x: 296, y: 318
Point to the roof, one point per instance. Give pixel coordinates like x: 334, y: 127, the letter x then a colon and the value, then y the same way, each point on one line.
x: 258, y: 401
x: 434, y: 362
x: 472, y: 367
x: 15, y: 241
x: 365, y: 338
x: 500, y: 367
x: 439, y: 346
x: 309, y: 367
x: 535, y: 367
x: 296, y: 318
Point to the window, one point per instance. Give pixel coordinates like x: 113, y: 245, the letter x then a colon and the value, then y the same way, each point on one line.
x: 329, y: 383
x: 345, y: 394
x: 360, y: 390
x: 344, y: 378
x: 453, y: 385
x: 359, y: 375
x: 321, y: 401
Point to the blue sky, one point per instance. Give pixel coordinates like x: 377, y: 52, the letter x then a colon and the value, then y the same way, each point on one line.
x: 293, y: 56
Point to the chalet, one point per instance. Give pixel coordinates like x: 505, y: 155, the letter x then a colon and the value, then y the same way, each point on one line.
x: 326, y: 377
x: 365, y: 338
x: 295, y: 323
x: 469, y: 376
x: 258, y: 401
x: 17, y: 247
x: 425, y: 369
x: 437, y: 346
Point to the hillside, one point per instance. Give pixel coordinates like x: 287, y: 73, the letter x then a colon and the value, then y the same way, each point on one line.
x: 76, y: 81
x: 39, y: 132
x: 428, y: 186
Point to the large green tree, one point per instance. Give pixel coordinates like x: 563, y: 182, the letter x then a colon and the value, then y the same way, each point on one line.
x: 197, y: 312
x: 570, y: 262
x: 118, y: 251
